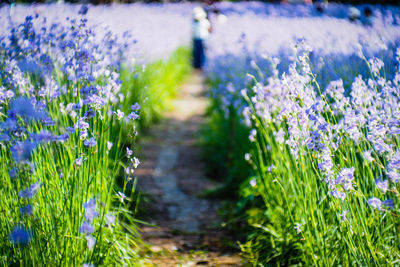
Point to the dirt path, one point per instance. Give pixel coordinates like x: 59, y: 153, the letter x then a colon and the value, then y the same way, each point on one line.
x: 171, y: 176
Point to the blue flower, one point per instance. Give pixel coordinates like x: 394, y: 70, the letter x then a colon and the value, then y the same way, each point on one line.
x: 20, y: 235
x: 26, y: 210
x: 90, y: 207
x: 13, y: 172
x: 91, y: 142
x: 21, y: 151
x: 81, y: 124
x: 4, y: 137
x: 133, y: 116
x: 91, y: 241
x: 29, y: 192
x: 389, y: 203
x: 375, y: 203
x: 128, y: 152
x: 44, y: 137
x: 119, y: 114
x: 135, y: 107
x: 121, y: 196
x: 383, y: 185
x: 86, y: 228
x: 110, y: 219
x: 78, y: 161
x: 23, y: 107
x: 297, y: 227
x: 70, y: 130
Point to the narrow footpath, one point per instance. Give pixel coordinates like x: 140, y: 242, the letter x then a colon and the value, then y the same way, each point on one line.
x: 187, y: 229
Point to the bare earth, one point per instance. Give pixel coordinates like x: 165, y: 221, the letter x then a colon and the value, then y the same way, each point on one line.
x: 171, y: 176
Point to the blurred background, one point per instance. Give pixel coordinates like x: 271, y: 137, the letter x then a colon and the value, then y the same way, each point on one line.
x: 382, y: 2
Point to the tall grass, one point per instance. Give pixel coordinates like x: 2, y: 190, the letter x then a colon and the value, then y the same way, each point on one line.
x: 61, y: 151
x: 322, y: 183
x: 327, y: 201
x: 154, y: 85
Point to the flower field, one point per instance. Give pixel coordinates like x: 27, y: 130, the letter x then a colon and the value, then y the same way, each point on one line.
x: 311, y: 105
x: 68, y: 130
x: 302, y: 129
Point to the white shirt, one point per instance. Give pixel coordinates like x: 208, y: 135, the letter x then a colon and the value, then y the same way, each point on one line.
x: 201, y: 29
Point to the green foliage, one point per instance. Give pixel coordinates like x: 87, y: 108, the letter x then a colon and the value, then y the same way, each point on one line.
x: 154, y: 85
x: 225, y: 142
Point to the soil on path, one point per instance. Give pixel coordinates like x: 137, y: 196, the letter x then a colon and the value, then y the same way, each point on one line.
x: 171, y: 177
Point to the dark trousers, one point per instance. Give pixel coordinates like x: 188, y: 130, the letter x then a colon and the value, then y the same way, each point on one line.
x: 199, y: 56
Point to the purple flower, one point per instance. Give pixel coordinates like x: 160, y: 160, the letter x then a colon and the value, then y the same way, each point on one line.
x: 367, y: 156
x: 394, y: 176
x: 78, y: 161
x: 23, y: 107
x: 95, y: 101
x: 345, y: 178
x: 20, y: 235
x: 375, y: 203
x: 121, y: 196
x: 90, y: 208
x: 4, y: 137
x: 70, y: 130
x: 133, y: 116
x: 280, y: 136
x: 83, y: 10
x: 86, y: 228
x: 383, y: 185
x: 376, y: 65
x: 44, y: 137
x: 136, y: 162
x: 128, y: 152
x: 135, y: 107
x: 343, y: 215
x: 253, y: 134
x: 13, y: 172
x: 91, y: 142
x: 336, y: 193
x: 389, y: 203
x: 26, y: 210
x: 119, y: 114
x: 253, y: 182
x: 30, y: 192
x: 91, y: 241
x: 110, y: 219
x: 47, y: 121
x: 81, y: 124
x: 109, y: 145
x: 297, y: 227
x: 270, y: 168
x: 21, y: 151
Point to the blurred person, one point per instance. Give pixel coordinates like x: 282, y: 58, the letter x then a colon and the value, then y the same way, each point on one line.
x: 319, y: 6
x: 368, y: 17
x: 354, y: 14
x: 201, y: 31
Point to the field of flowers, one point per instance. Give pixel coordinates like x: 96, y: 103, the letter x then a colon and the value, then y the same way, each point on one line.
x: 72, y: 93
x: 302, y: 127
x: 311, y: 106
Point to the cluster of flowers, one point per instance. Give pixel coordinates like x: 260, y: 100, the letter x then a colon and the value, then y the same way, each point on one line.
x: 326, y: 114
x: 246, y: 39
x: 157, y: 29
x: 59, y: 85
x: 369, y: 116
